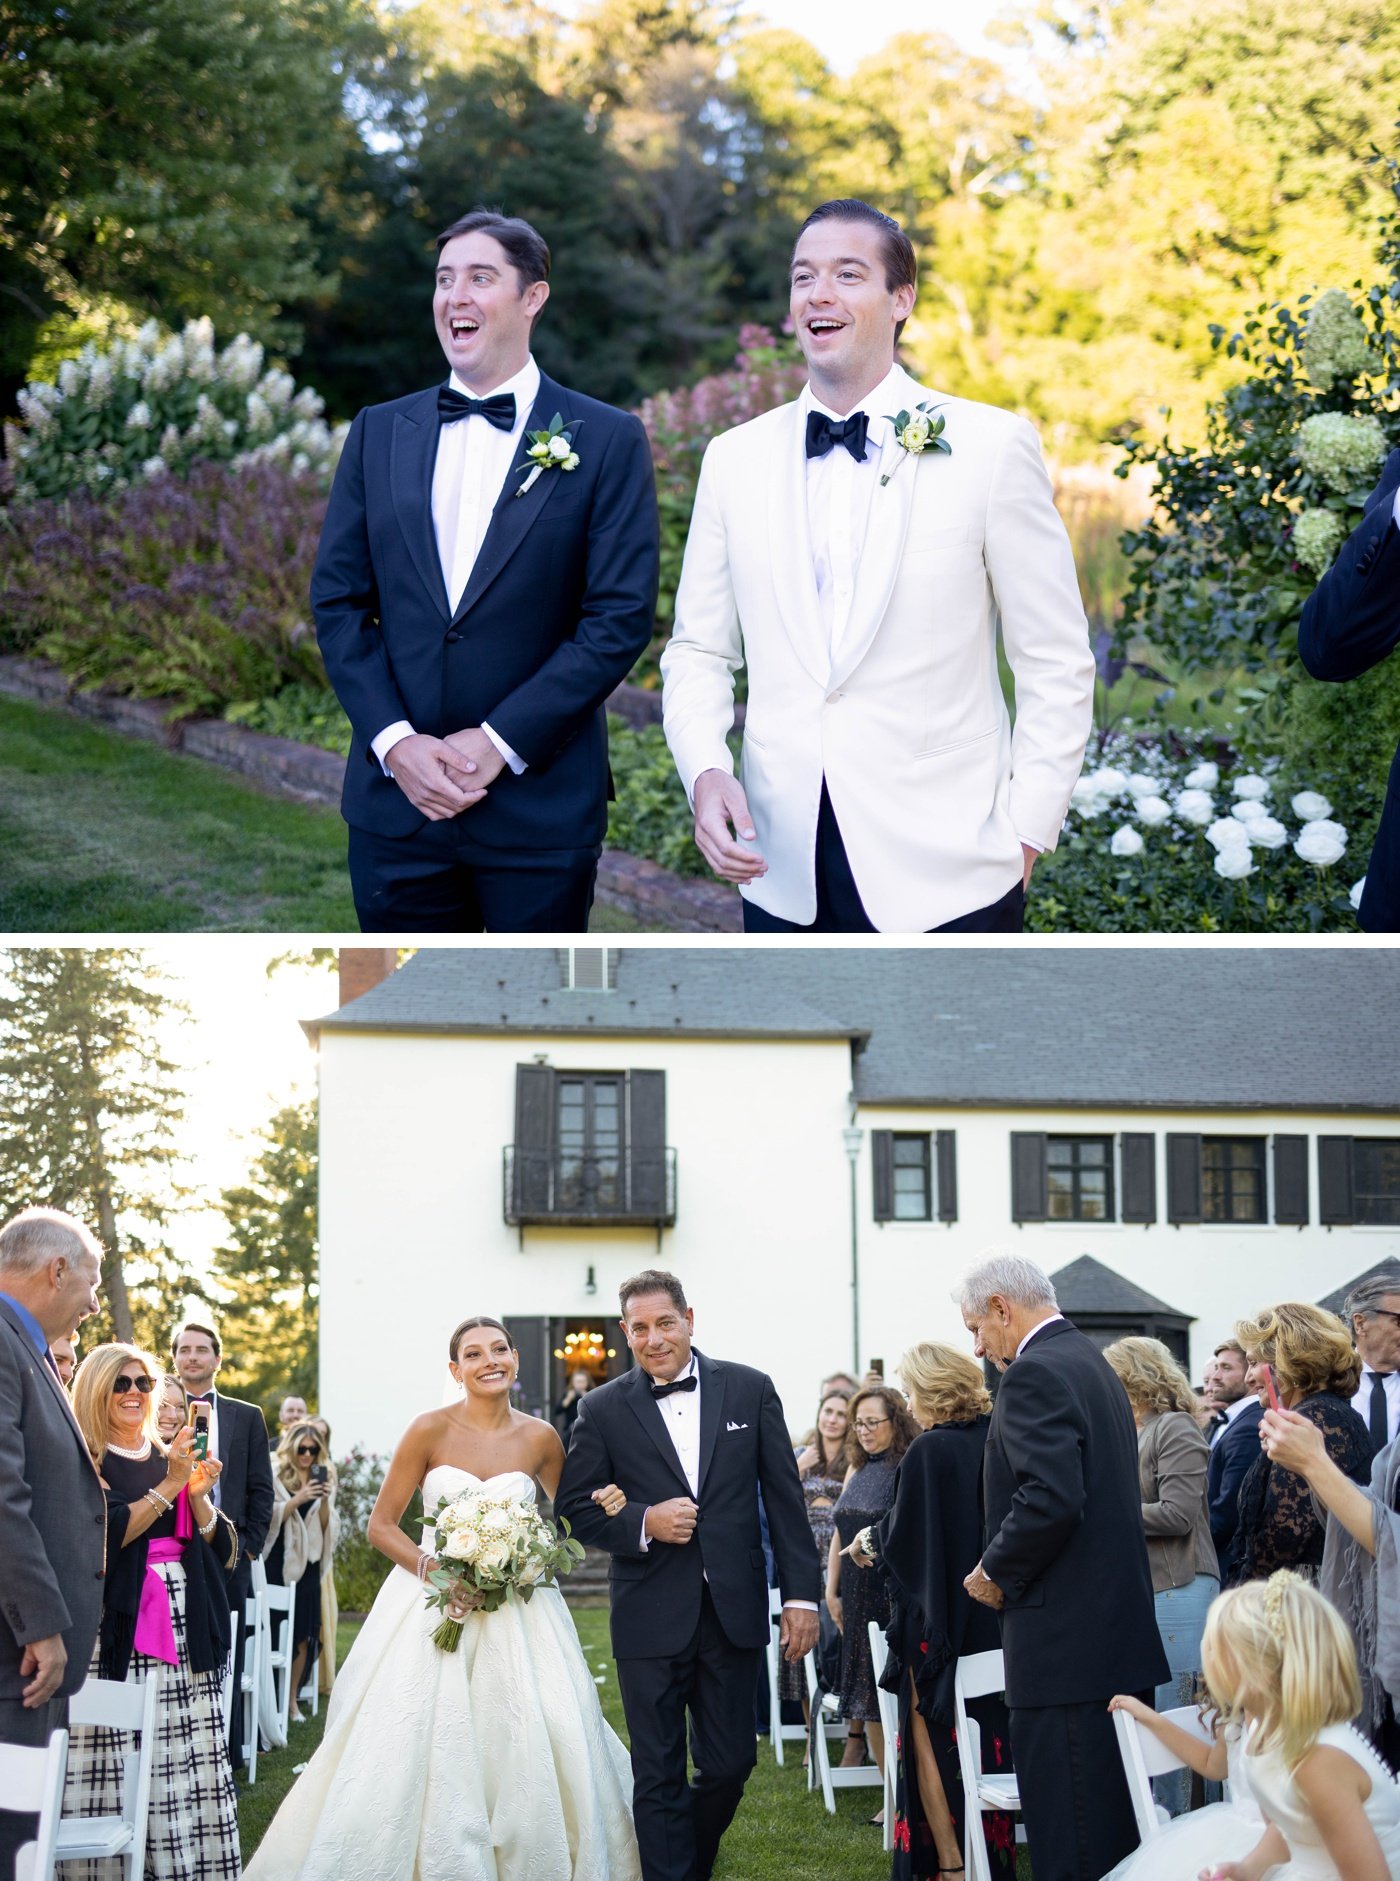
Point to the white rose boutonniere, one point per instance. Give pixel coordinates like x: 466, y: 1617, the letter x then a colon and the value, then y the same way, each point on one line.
x: 918, y: 431
x: 549, y: 450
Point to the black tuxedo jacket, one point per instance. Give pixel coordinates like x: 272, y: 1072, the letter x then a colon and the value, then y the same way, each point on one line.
x: 1351, y: 621
x: 1065, y: 1540
x: 245, y: 1486
x: 1230, y: 1460
x: 560, y: 603
x: 620, y: 1436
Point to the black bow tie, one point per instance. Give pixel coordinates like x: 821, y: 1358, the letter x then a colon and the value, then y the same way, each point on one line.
x: 199, y: 1397
x: 823, y: 432
x: 676, y: 1384
x: 498, y: 410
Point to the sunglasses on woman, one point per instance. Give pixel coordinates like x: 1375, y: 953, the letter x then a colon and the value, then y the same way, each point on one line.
x: 308, y: 1449
x: 144, y: 1385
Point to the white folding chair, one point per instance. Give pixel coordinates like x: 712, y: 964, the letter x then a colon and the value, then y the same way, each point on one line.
x: 826, y: 1719
x: 251, y: 1693
x: 777, y: 1730
x: 889, y: 1723
x: 279, y: 1601
x: 975, y: 1676
x: 114, y: 1705
x: 1146, y: 1756
x: 31, y: 1782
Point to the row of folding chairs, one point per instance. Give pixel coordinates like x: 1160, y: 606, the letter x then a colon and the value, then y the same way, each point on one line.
x: 265, y: 1691
x: 984, y: 1792
x: 31, y: 1781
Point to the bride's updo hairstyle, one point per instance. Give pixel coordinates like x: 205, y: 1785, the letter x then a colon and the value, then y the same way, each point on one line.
x: 469, y: 1325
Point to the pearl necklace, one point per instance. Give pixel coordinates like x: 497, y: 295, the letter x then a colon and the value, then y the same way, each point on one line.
x: 135, y: 1456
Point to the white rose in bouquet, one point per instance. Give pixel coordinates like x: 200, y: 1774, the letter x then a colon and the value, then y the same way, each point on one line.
x: 1125, y: 841
x: 1204, y: 777
x: 459, y: 1545
x: 1251, y: 785
x: 1321, y: 843
x: 1234, y: 862
x: 1195, y: 806
x: 1310, y: 806
x: 494, y: 1520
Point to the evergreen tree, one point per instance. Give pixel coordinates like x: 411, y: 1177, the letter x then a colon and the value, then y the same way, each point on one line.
x: 268, y: 1268
x: 89, y: 1110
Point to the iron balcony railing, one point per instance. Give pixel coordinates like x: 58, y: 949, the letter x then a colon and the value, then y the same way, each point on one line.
x: 636, y: 1186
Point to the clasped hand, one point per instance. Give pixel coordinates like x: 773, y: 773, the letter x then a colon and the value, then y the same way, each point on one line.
x: 444, y: 776
x: 983, y: 1590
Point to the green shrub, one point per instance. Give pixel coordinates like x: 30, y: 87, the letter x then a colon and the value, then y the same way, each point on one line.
x: 360, y: 1569
x: 651, y: 817
x: 309, y: 714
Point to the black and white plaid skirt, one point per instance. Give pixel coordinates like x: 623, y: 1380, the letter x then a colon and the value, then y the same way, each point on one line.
x: 192, y: 1833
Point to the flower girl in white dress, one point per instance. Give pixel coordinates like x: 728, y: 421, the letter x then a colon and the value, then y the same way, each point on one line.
x: 1216, y: 1833
x: 490, y: 1763
x: 1280, y: 1661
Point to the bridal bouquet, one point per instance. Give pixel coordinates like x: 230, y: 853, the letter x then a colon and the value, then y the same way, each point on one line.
x: 495, y: 1545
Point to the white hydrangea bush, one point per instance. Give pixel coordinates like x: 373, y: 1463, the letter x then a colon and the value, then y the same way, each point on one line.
x: 155, y: 404
x: 1335, y: 343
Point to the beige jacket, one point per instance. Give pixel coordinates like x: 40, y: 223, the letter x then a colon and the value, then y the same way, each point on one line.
x: 1173, y: 1458
x: 306, y: 1540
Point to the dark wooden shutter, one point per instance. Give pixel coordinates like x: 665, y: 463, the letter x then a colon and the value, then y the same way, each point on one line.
x: 1336, y: 1183
x: 946, y: 1144
x: 1291, y: 1181
x: 882, y: 1163
x: 532, y: 1343
x: 646, y: 1142
x: 534, y: 1138
x: 1029, y: 1187
x: 1183, y: 1177
x: 1138, y: 1175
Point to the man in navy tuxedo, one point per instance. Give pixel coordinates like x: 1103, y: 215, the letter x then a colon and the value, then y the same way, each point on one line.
x: 475, y: 609
x: 686, y: 1444
x: 1351, y: 621
x: 1234, y: 1448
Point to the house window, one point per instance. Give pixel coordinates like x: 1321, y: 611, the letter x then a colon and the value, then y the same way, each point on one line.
x: 1079, y: 1178
x: 590, y: 1146
x: 589, y: 969
x: 912, y: 1175
x: 588, y: 1135
x: 1232, y: 1179
x: 1377, y: 1178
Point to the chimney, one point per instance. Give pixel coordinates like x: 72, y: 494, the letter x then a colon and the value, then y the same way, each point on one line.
x: 363, y: 968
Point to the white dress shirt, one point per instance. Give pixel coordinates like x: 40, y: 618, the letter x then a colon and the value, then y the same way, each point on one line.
x: 1232, y: 1411
x: 839, y: 492
x: 1361, y: 1403
x: 1395, y: 509
x: 1039, y: 1326
x: 473, y: 460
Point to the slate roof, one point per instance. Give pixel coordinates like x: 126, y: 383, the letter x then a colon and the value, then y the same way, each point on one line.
x: 1333, y: 1302
x: 1087, y: 1286
x: 1199, y: 1028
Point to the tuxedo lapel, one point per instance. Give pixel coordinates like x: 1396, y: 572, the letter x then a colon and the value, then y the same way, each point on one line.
x: 711, y: 1413
x: 891, y: 505
x: 412, y: 454
x: 647, y: 1412
x: 51, y: 1379
x: 514, y: 514
x: 790, y: 537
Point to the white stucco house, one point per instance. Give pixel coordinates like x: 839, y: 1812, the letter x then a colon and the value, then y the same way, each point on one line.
x: 818, y: 1140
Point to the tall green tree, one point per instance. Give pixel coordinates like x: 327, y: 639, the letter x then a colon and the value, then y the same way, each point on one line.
x: 268, y: 1267
x: 90, y: 1108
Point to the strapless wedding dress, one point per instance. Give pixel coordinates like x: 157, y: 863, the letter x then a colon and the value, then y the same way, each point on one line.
x: 491, y: 1763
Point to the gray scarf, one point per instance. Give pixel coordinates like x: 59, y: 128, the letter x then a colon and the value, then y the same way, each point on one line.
x: 1365, y: 1588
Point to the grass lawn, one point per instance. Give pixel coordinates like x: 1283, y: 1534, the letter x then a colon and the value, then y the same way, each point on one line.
x: 780, y: 1833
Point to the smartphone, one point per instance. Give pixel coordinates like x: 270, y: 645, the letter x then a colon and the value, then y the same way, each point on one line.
x: 877, y: 1368
x: 199, y: 1424
x: 1268, y: 1376
x: 318, y: 1473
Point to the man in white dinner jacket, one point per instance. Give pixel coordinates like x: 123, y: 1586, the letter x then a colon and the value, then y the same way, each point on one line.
x: 882, y: 786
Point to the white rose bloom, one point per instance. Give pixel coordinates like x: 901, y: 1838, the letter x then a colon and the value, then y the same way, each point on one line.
x: 1227, y: 833
x: 1266, y: 832
x: 1234, y: 862
x: 559, y: 447
x: 494, y: 1557
x: 457, y: 1548
x: 1321, y: 843
x: 1125, y: 842
x: 1084, y: 786
x: 1108, y: 782
x: 1310, y: 805
x: 493, y: 1521
x: 1141, y: 785
x: 1204, y: 777
x: 470, y: 1539
x: 1251, y: 786
x: 570, y: 462
x: 1354, y: 897
x: 1247, y: 810
x: 1195, y: 806
x: 1153, y: 810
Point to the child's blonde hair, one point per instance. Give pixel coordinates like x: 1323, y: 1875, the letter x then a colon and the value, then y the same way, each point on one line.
x: 1278, y: 1650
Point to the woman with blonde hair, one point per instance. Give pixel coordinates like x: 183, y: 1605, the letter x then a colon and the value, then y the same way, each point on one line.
x: 926, y: 1545
x: 1307, y: 1354
x: 1281, y: 1665
x: 1173, y: 1458
x: 302, y: 1537
x: 164, y: 1608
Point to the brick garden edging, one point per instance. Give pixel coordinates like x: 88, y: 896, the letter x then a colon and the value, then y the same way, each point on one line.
x: 631, y: 885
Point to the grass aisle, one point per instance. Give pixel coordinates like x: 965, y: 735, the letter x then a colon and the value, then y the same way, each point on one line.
x: 99, y: 832
x: 780, y: 1833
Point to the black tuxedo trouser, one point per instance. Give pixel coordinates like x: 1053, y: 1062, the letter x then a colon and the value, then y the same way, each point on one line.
x: 434, y: 882
x: 679, y: 1824
x: 1074, y: 1795
x: 841, y: 911
x: 32, y: 1729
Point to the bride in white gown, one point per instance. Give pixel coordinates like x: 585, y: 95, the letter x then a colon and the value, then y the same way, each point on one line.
x: 491, y: 1763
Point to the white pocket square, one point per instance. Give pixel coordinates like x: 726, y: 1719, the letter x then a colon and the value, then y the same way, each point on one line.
x: 732, y: 1426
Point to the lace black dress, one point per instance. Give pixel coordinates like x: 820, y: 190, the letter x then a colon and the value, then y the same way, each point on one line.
x: 1278, y: 1521
x: 865, y: 1592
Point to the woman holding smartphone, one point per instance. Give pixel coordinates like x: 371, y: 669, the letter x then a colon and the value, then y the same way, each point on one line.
x: 1303, y: 1355
x: 302, y: 1537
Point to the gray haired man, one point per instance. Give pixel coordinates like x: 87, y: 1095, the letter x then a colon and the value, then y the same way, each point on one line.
x: 53, y: 1516
x: 1372, y: 1313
